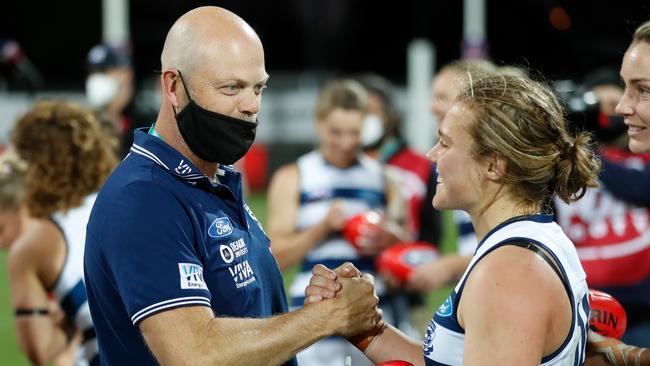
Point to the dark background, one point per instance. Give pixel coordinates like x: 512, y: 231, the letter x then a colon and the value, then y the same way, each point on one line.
x: 341, y: 36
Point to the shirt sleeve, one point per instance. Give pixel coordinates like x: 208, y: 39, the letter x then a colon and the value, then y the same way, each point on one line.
x: 150, y: 250
x: 627, y: 184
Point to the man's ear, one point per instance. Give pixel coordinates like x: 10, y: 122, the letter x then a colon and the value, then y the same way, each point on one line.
x: 496, y: 167
x: 169, y: 83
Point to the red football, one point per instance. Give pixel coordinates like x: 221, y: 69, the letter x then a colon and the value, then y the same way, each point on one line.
x: 395, y: 363
x: 400, y: 259
x: 607, y: 316
x: 358, y: 224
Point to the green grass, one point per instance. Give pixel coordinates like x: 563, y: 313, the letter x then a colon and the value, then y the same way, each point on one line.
x: 10, y: 355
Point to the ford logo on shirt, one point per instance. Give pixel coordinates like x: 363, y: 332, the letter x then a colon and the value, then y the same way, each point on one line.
x: 220, y: 227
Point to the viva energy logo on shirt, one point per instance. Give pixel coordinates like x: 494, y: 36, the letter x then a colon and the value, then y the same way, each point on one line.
x: 191, y: 276
x: 242, y: 274
x: 220, y: 227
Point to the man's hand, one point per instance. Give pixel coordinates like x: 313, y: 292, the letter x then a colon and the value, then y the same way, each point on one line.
x: 324, y: 284
x: 355, y: 306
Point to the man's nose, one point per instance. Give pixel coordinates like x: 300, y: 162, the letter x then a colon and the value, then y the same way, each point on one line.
x: 250, y: 104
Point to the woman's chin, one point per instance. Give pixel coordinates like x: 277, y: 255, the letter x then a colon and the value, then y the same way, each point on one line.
x: 439, y: 204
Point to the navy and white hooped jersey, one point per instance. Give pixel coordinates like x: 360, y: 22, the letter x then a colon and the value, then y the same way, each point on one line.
x: 163, y: 236
x: 69, y: 289
x: 444, y: 339
x: 361, y: 187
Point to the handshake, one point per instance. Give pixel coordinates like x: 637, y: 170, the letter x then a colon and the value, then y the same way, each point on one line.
x: 349, y: 300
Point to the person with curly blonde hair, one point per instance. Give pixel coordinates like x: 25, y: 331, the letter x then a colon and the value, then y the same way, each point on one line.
x: 66, y: 160
x: 68, y: 155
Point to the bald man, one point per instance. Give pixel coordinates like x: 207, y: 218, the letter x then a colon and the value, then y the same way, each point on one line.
x: 178, y: 269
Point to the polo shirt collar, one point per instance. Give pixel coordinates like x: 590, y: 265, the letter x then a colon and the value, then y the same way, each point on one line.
x: 159, y: 152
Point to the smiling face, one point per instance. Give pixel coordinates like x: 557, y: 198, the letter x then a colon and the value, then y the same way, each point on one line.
x: 460, y: 175
x: 635, y: 104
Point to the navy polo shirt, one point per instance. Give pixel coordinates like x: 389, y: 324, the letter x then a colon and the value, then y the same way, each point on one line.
x: 162, y: 236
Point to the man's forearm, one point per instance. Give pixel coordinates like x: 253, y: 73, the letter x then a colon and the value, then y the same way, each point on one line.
x: 193, y: 336
x: 270, y: 341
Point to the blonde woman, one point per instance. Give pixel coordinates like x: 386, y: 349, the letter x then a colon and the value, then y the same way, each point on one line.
x: 67, y: 159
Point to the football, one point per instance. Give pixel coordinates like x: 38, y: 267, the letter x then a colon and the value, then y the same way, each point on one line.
x: 400, y: 259
x: 607, y: 317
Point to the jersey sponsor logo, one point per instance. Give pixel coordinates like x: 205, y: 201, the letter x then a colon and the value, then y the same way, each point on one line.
x: 242, y: 274
x: 191, y: 276
x: 447, y: 308
x: 183, y: 168
x: 427, y: 344
x: 220, y: 227
x: 226, y: 253
x: 238, y: 247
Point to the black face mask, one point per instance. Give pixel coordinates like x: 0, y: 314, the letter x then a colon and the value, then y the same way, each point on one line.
x: 213, y: 136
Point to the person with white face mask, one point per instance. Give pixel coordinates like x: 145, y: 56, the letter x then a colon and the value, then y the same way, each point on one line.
x: 109, y: 85
x: 110, y: 91
x: 381, y: 139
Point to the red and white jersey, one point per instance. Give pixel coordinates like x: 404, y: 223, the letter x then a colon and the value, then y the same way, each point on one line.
x: 612, y: 237
x: 412, y: 171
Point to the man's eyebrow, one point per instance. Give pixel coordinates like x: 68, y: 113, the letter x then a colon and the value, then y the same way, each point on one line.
x: 638, y: 80
x: 241, y: 81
